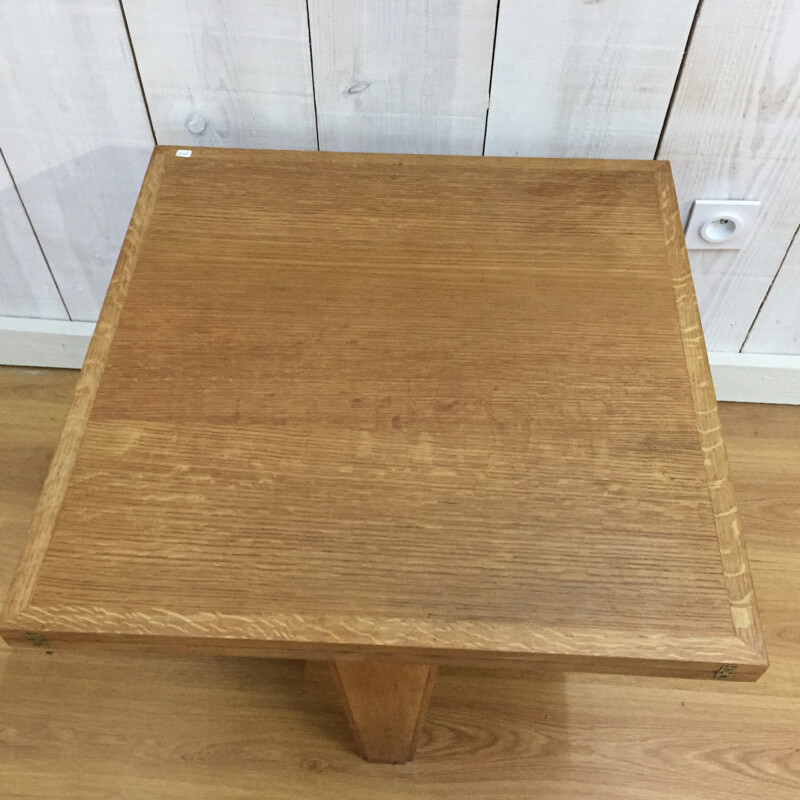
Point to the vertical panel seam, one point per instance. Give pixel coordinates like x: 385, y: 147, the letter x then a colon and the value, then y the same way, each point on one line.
x: 491, y: 76
x: 769, y: 289
x: 138, y: 72
x: 35, y: 234
x: 678, y: 76
x: 313, y: 79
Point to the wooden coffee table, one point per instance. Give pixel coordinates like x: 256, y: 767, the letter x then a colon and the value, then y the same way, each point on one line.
x: 394, y: 412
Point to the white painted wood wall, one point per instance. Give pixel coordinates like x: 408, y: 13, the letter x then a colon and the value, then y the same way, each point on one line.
x: 87, y: 88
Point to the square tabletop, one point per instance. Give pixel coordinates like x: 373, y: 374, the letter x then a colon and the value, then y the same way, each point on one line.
x: 438, y: 408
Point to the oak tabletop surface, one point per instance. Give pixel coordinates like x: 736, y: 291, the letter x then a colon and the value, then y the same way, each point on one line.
x: 430, y: 408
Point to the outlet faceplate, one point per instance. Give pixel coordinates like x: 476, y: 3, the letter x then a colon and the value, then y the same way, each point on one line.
x: 720, y: 224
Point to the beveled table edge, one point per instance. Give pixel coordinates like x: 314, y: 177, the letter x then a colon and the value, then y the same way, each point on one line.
x: 439, y: 642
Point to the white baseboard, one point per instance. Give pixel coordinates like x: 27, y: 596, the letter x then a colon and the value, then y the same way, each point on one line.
x: 44, y: 342
x: 756, y: 377
x: 738, y: 377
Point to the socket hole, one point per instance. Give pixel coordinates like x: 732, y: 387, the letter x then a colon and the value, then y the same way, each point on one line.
x: 719, y: 230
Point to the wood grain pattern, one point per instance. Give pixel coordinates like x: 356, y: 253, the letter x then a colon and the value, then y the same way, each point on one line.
x: 34, y: 404
x: 231, y: 73
x: 732, y: 134
x: 63, y: 462
x: 94, y: 725
x: 385, y: 705
x: 345, y: 421
x: 405, y: 77
x: 736, y: 566
x: 777, y: 327
x: 74, y: 131
x: 27, y: 288
x: 584, y: 80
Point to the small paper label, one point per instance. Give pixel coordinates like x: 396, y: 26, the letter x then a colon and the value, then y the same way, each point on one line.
x: 183, y: 153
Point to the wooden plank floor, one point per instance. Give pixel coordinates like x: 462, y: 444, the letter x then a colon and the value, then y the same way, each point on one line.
x: 90, y: 725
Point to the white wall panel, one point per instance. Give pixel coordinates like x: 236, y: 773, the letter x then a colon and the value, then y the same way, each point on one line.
x: 777, y: 327
x: 75, y: 134
x: 26, y: 287
x: 410, y: 76
x: 584, y: 80
x: 231, y: 73
x: 734, y: 133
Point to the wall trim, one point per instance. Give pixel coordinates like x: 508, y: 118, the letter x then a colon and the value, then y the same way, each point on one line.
x: 738, y: 377
x: 26, y: 342
x: 756, y: 377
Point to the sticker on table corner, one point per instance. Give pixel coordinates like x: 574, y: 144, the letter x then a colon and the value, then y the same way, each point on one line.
x: 183, y: 153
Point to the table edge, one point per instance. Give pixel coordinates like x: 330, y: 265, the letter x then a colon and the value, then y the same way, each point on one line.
x: 63, y: 462
x: 19, y: 620
x: 733, y: 553
x: 434, y: 641
x: 346, y: 157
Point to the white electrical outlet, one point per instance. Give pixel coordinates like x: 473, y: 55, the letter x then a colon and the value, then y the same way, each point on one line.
x: 720, y: 224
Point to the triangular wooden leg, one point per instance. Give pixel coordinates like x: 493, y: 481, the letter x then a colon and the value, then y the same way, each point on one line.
x: 385, y: 704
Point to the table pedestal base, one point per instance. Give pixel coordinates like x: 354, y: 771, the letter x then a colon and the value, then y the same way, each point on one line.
x: 385, y: 705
